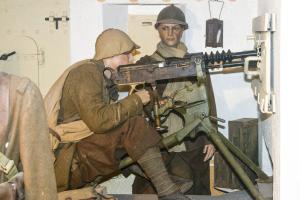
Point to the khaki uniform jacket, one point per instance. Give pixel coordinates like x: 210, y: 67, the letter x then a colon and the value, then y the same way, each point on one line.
x: 78, y: 106
x: 27, y: 139
x: 184, y: 160
x: 85, y: 97
x: 189, y: 95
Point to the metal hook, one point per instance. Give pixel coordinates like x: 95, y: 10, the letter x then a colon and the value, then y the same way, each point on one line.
x: 218, y: 1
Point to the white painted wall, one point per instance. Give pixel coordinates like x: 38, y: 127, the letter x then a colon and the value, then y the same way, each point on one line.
x: 289, y: 103
x: 27, y: 19
x: 233, y: 94
x: 119, y: 20
x: 269, y: 127
x: 86, y: 24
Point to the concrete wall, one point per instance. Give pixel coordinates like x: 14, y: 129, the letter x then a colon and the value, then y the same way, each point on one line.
x: 86, y: 24
x: 289, y: 107
x: 269, y: 125
x: 233, y: 94
x: 23, y: 22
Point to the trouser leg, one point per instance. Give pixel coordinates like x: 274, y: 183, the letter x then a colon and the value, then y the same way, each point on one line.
x: 97, y: 154
x: 188, y: 165
x: 199, y: 170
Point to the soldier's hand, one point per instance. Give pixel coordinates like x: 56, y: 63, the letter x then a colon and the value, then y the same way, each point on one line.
x: 209, y: 150
x: 144, y: 95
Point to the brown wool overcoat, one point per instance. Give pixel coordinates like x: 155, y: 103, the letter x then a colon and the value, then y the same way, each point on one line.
x: 26, y: 139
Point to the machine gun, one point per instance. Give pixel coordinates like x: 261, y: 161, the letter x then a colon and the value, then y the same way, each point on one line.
x: 193, y: 65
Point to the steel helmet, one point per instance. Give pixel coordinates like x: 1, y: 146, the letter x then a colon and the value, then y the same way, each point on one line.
x: 112, y: 42
x: 171, y: 15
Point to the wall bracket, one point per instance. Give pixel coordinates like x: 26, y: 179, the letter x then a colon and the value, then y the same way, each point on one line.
x: 57, y: 19
x: 262, y: 81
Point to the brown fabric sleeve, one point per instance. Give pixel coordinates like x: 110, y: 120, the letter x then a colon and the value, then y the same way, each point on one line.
x: 87, y: 91
x: 35, y: 150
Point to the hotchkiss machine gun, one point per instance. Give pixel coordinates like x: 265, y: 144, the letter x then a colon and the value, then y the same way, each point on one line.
x: 193, y: 65
x: 257, y: 67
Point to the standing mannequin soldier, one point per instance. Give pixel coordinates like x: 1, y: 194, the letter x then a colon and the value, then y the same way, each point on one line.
x: 90, y: 97
x: 190, y: 159
x: 24, y: 141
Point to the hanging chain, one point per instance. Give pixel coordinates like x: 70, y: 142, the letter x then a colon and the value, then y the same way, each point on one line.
x: 217, y: 1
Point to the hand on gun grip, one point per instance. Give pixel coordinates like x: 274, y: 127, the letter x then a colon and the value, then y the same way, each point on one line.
x: 144, y: 95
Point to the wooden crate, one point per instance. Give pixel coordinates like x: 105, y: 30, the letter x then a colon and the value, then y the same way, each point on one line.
x: 243, y: 133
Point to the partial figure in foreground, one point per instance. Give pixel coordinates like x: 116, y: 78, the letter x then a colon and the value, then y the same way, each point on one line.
x: 25, y: 153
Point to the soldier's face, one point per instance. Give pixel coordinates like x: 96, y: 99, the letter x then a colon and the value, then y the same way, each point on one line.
x: 170, y: 34
x: 116, y: 61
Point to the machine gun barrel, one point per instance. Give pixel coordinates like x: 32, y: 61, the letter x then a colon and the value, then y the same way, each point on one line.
x: 235, y: 55
x: 173, y: 68
x: 243, y: 54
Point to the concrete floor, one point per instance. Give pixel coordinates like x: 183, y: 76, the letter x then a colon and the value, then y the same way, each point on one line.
x: 240, y: 195
x: 89, y: 192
